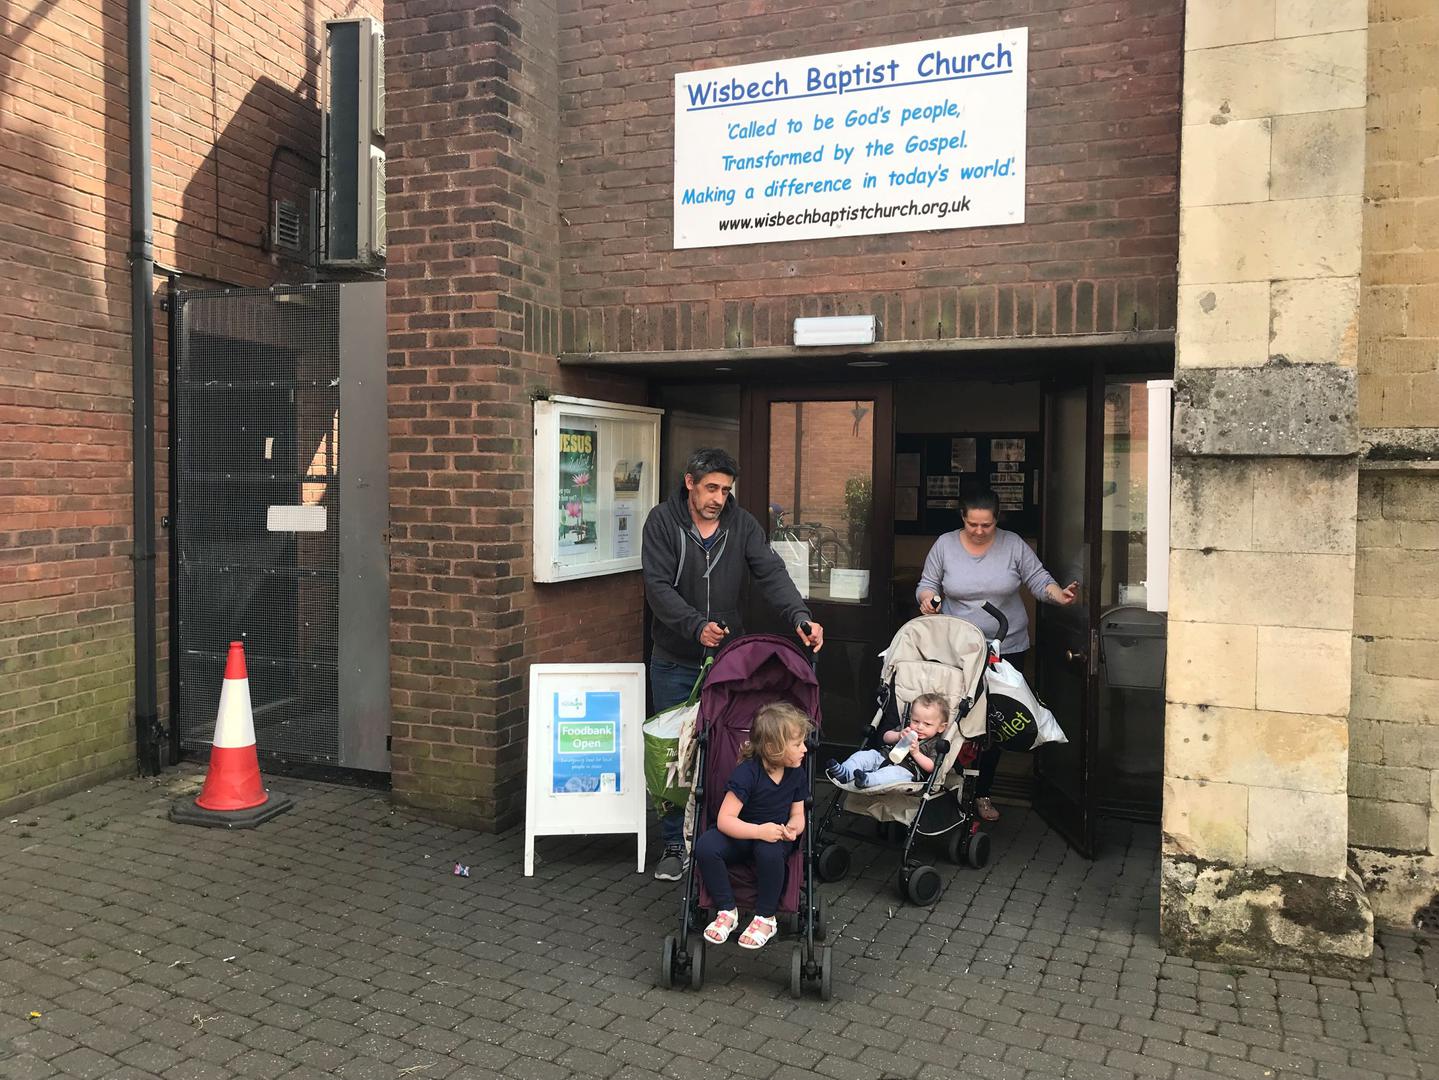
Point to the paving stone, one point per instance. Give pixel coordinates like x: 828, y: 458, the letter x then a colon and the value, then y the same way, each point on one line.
x: 356, y: 955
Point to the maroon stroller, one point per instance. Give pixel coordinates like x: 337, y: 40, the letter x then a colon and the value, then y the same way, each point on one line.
x: 748, y: 673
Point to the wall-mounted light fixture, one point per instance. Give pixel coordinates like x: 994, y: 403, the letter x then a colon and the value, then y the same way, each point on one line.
x: 836, y: 330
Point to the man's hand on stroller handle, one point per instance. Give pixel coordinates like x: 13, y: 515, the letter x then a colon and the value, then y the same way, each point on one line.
x: 713, y: 634
x: 812, y: 634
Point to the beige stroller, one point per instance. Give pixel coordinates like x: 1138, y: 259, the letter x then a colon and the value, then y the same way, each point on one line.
x: 929, y: 654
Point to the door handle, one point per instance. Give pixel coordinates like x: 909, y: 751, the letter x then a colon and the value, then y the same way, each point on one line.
x: 1075, y: 657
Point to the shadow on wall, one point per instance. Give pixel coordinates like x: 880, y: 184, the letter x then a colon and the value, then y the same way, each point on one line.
x: 64, y: 316
x: 269, y: 150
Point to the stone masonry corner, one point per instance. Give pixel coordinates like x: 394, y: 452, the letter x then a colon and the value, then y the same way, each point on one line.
x: 1296, y: 922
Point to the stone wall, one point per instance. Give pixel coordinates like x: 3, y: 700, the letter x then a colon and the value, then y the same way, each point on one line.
x: 1264, y: 488
x: 1394, y: 725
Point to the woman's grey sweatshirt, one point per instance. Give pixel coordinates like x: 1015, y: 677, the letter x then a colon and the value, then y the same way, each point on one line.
x: 966, y: 581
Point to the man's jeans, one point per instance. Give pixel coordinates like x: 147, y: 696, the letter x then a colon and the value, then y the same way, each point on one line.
x: 670, y: 684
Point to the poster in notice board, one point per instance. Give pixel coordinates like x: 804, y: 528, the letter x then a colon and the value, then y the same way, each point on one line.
x: 1007, y: 462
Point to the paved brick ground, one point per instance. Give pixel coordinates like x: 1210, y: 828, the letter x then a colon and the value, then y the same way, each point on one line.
x: 336, y: 942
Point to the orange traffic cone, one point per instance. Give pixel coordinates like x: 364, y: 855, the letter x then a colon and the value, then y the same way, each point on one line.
x: 233, y: 796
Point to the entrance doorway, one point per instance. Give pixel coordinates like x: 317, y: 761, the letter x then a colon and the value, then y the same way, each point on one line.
x: 855, y: 481
x: 820, y: 478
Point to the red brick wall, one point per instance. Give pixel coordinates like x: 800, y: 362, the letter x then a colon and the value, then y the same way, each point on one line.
x: 1097, y: 251
x: 473, y: 306
x: 229, y: 84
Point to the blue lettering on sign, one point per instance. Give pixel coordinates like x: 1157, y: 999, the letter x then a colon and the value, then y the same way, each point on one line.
x: 937, y: 64
x: 735, y: 92
x: 703, y: 196
x: 846, y: 79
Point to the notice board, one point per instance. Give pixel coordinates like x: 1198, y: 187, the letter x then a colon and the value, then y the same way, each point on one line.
x: 586, y: 753
x: 932, y: 472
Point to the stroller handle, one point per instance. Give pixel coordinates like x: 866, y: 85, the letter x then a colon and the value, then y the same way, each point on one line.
x: 998, y: 616
x: 813, y: 659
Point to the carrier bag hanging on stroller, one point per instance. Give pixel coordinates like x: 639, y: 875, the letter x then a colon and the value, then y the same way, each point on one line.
x: 666, y: 776
x: 1017, y: 719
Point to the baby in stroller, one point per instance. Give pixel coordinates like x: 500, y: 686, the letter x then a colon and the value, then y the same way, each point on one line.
x: 759, y: 822
x: 916, y: 749
x: 934, y: 667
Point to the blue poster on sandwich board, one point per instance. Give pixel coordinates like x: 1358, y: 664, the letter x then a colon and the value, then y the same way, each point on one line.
x: 586, y: 742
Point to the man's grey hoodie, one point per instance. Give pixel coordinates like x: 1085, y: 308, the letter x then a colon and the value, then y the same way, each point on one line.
x: 688, y: 586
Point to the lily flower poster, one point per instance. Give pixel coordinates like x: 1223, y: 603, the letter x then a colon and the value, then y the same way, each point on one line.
x: 579, y: 488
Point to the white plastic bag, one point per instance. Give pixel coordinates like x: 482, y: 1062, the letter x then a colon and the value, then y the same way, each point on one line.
x: 1018, y: 720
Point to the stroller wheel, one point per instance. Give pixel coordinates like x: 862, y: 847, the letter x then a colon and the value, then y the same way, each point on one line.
x: 826, y: 984
x: 796, y: 972
x: 956, y: 845
x: 832, y: 863
x: 697, y: 961
x: 667, y: 962
x: 976, y: 849
x: 920, y: 885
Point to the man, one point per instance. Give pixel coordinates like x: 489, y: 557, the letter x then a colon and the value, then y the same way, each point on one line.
x: 699, y: 546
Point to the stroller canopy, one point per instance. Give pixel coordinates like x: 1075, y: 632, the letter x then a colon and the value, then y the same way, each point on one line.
x: 941, y: 654
x: 748, y: 674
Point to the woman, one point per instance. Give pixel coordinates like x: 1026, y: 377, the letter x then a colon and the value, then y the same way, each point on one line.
x: 978, y: 563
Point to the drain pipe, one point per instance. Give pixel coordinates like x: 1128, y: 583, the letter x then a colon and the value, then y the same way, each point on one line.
x: 142, y: 366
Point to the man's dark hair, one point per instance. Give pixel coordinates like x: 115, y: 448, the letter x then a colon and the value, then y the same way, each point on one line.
x: 710, y: 459
x: 979, y: 499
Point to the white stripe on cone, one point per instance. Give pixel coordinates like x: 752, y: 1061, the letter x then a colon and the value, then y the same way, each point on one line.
x: 235, y: 724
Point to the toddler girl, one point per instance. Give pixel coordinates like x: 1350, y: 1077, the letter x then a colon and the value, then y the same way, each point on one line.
x: 761, y: 818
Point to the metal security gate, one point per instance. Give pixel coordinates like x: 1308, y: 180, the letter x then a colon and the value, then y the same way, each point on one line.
x: 278, y: 532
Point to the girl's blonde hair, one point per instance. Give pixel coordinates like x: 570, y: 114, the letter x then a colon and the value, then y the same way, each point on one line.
x: 774, y: 725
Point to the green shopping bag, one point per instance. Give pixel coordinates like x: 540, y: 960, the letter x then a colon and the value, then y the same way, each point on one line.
x: 664, y: 778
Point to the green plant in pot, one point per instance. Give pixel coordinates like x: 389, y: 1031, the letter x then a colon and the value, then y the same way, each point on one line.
x: 858, y: 507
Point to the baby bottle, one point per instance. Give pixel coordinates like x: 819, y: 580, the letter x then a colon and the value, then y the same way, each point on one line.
x: 901, y: 749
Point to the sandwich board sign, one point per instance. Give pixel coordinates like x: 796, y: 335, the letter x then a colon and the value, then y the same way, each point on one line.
x: 586, y: 753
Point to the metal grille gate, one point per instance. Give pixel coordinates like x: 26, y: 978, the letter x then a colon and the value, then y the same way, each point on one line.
x: 258, y: 506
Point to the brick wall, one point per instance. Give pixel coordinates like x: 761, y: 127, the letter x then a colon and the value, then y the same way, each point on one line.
x: 230, y: 83
x: 1097, y: 251
x: 474, y: 329
x: 1394, y: 725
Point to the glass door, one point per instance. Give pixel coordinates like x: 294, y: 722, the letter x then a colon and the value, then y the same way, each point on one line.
x: 1067, y: 639
x: 1129, y: 764
x: 818, y: 469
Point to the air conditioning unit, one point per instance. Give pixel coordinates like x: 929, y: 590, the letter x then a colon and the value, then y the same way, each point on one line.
x: 353, y: 187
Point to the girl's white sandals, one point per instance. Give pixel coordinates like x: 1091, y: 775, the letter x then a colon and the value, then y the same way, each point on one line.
x: 718, y: 932
x: 759, y: 931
